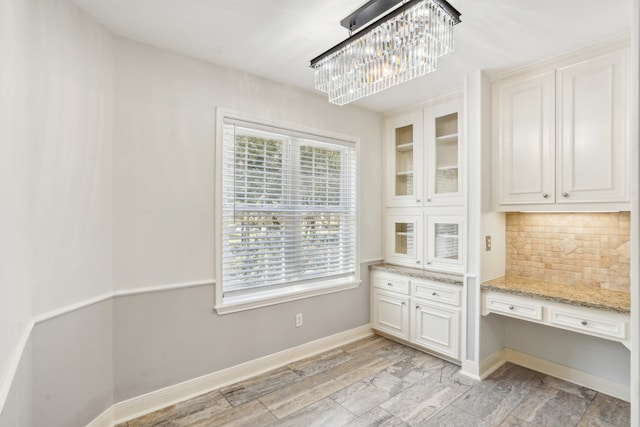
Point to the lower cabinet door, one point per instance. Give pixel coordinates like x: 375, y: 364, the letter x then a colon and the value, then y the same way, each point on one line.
x: 390, y: 313
x: 436, y: 328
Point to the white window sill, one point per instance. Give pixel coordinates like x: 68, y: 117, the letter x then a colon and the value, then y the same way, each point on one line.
x: 279, y: 296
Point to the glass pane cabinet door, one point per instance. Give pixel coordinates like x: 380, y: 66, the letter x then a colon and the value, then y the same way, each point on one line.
x: 404, y: 161
x: 404, y: 141
x: 403, y: 241
x: 445, y: 246
x: 443, y: 125
x: 405, y: 236
x: 446, y: 154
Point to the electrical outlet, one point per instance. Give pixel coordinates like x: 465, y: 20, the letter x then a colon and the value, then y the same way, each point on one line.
x: 298, y: 320
x: 487, y: 243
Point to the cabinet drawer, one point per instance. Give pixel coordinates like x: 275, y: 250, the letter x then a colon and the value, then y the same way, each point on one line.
x: 391, y: 282
x: 514, y: 307
x: 588, y: 323
x: 435, y: 291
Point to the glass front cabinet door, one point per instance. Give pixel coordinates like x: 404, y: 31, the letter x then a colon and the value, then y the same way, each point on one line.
x: 445, y: 249
x: 404, y: 239
x: 404, y: 151
x: 443, y: 127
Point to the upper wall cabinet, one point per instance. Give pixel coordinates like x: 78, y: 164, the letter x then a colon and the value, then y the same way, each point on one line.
x: 404, y: 145
x: 525, y: 131
x: 443, y: 137
x: 592, y: 131
x: 560, y: 137
x: 423, y: 157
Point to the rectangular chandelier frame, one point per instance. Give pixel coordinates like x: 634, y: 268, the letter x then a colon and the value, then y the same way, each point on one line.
x: 400, y: 46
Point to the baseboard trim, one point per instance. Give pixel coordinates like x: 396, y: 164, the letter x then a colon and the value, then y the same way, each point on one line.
x: 594, y: 382
x: 491, y: 364
x: 470, y: 370
x: 103, y: 420
x: 575, y: 376
x: 140, y: 405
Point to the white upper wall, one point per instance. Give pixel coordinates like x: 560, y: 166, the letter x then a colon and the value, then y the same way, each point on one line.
x: 69, y: 159
x: 15, y: 289
x: 55, y: 172
x: 164, y: 158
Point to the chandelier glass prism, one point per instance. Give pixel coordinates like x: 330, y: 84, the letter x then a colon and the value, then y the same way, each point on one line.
x: 402, y: 45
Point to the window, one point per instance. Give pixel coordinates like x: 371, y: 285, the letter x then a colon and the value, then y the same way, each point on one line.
x: 288, y: 214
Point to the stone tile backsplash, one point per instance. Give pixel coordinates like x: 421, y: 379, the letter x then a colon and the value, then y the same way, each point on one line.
x: 584, y: 249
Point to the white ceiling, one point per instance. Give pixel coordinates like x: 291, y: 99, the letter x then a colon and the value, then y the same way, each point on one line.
x: 275, y: 39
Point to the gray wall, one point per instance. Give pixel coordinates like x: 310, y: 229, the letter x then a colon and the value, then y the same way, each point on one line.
x: 18, y: 409
x: 72, y: 367
x: 163, y: 338
x: 596, y: 356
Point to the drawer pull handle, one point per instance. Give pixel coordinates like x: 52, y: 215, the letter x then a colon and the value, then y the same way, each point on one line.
x: 510, y: 307
x: 435, y: 294
x: 545, y: 195
x: 583, y: 323
x: 389, y: 284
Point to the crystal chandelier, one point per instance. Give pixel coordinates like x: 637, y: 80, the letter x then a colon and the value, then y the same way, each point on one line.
x: 401, y: 45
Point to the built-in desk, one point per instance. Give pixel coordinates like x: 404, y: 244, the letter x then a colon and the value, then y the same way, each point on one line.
x: 598, y: 312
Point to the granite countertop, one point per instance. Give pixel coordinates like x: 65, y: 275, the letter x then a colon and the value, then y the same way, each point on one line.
x: 438, y: 276
x: 603, y: 299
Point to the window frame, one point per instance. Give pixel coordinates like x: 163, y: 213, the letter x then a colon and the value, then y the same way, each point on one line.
x: 261, y: 297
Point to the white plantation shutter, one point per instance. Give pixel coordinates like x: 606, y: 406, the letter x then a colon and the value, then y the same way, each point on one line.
x: 288, y: 208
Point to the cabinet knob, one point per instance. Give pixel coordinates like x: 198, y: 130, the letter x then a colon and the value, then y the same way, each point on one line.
x: 418, y: 200
x: 565, y: 194
x: 583, y: 323
x: 545, y: 195
x: 389, y: 284
x: 428, y: 262
x: 419, y: 262
x: 417, y: 306
x: 434, y: 294
x: 403, y: 303
x: 510, y: 307
x: 428, y: 200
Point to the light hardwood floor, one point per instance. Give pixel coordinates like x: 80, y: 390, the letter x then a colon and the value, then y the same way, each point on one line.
x: 377, y: 382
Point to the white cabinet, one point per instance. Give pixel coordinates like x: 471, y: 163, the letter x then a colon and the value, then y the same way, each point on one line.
x: 435, y: 327
x: 421, y: 311
x: 443, y: 138
x: 403, y: 244
x: 390, y: 313
x: 590, y: 321
x: 524, y: 113
x: 424, y: 182
x: 390, y: 304
x: 560, y: 137
x: 592, y: 131
x: 404, y: 138
x: 415, y: 238
x: 424, y: 157
x: 444, y: 242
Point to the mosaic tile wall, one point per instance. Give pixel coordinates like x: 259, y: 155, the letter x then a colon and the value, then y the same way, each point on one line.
x: 586, y: 249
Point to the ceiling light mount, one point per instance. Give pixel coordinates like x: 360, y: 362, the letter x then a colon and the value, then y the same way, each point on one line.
x: 403, y: 43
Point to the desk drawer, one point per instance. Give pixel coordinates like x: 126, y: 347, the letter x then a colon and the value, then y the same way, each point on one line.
x: 514, y: 307
x: 589, y: 323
